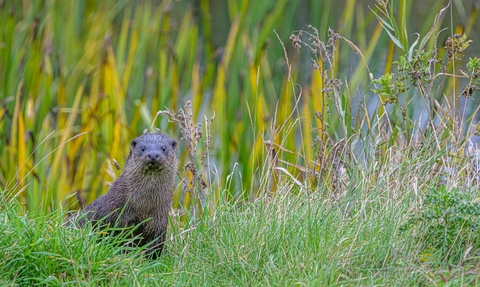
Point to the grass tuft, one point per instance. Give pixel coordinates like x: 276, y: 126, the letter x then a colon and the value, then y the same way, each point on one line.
x: 346, y: 158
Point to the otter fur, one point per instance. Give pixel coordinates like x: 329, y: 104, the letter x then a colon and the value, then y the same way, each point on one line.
x: 142, y: 195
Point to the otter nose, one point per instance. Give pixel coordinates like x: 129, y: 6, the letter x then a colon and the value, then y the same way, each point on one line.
x: 153, y: 155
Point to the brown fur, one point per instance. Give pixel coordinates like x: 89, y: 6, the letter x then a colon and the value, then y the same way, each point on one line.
x: 142, y: 193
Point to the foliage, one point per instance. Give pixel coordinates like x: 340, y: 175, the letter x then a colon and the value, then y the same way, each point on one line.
x: 279, y: 184
x: 473, y: 67
x: 446, y: 220
x: 42, y: 251
x: 283, y: 239
x: 388, y: 88
x: 76, y: 89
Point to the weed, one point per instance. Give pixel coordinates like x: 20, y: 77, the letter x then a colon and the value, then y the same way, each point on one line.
x: 195, y: 179
x: 448, y: 221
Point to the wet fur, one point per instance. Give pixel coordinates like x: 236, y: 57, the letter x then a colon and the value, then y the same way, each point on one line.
x: 141, y: 195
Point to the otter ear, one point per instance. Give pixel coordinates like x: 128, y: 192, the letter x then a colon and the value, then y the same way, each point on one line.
x: 133, y: 143
x: 174, y: 144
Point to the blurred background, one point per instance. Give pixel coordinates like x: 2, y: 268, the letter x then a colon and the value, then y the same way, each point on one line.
x: 105, y: 68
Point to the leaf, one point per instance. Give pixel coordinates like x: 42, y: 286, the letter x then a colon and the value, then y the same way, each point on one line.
x: 435, y: 23
x: 296, y: 181
x: 388, y: 28
x: 384, y: 23
x: 395, y: 40
x: 410, y: 51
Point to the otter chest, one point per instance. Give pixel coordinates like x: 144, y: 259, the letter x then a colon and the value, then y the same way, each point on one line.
x: 148, y: 196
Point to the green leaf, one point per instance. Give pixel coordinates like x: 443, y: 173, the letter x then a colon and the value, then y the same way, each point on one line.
x: 384, y: 23
x: 410, y: 51
x: 435, y: 23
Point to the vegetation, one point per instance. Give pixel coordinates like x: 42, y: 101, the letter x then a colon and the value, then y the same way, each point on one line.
x: 312, y: 157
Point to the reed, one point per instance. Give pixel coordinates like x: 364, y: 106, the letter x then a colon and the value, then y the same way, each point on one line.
x: 106, y: 71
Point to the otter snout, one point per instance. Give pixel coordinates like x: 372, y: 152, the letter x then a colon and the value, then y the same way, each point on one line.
x: 153, y: 156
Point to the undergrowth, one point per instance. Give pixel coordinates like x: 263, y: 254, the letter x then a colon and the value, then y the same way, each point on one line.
x: 284, y: 239
x: 380, y: 196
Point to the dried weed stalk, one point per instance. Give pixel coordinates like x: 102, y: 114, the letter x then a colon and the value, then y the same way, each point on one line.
x: 192, y: 133
x: 329, y: 156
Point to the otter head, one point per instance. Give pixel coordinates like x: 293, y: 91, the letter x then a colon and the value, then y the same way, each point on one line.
x: 153, y: 152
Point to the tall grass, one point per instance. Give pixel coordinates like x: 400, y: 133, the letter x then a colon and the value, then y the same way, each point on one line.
x: 295, y: 237
x: 362, y: 175
x: 105, y: 72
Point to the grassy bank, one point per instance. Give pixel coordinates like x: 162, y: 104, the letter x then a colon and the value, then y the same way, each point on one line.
x: 395, y: 228
x: 308, y: 157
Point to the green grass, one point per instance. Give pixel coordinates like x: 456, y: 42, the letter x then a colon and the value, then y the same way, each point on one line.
x: 281, y: 241
x: 334, y: 182
x: 105, y: 72
x: 293, y: 238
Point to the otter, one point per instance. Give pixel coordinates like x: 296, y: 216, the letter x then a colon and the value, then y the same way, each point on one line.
x: 142, y: 195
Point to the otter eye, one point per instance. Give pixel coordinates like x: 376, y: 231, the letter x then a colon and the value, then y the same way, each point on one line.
x: 143, y: 148
x: 163, y: 148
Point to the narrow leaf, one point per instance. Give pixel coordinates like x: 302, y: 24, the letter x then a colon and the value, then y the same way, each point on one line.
x: 410, y: 51
x: 435, y: 23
